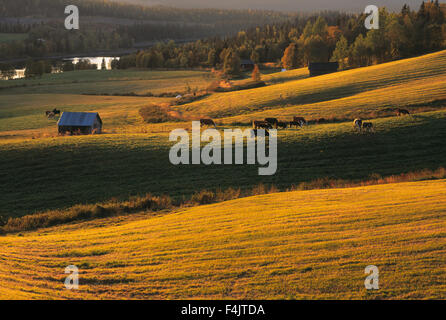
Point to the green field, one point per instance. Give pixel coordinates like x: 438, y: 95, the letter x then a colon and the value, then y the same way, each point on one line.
x: 60, y: 172
x: 297, y: 245
x: 110, y: 82
x: 8, y: 37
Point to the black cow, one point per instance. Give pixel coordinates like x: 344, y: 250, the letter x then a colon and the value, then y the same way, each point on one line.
x: 208, y: 122
x: 261, y: 125
x: 282, y: 124
x: 255, y: 133
x: 272, y: 121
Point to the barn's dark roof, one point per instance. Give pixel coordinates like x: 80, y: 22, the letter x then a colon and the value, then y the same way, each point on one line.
x: 322, y: 66
x: 78, y: 119
x: 246, y: 61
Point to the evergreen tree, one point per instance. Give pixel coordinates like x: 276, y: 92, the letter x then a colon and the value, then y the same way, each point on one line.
x: 231, y: 66
x: 341, y: 52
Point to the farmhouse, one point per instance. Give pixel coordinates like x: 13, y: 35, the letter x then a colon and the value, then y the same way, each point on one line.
x: 320, y: 68
x: 80, y: 122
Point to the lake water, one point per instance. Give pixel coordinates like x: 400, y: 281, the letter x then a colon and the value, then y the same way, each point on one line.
x: 20, y: 73
x: 95, y: 60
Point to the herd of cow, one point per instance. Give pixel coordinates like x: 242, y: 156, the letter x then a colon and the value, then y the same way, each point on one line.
x: 270, y: 123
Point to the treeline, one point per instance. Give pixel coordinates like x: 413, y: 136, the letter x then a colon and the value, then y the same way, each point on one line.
x: 50, y: 39
x: 150, y: 24
x: 105, y: 8
x: 339, y: 37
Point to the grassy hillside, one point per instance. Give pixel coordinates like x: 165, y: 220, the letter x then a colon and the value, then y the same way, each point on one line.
x: 61, y: 172
x: 23, y: 102
x: 307, y: 244
x: 399, y: 83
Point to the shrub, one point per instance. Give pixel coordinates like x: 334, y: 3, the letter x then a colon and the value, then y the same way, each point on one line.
x: 203, y: 197
x: 156, y: 114
x: 158, y: 203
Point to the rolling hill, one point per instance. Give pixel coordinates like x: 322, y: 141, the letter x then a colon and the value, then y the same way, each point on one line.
x: 132, y: 157
x: 343, y: 94
x: 295, y: 245
x: 60, y: 172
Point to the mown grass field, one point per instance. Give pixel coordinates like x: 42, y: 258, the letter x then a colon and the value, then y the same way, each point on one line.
x: 298, y: 245
x: 303, y: 244
x: 110, y: 82
x: 60, y: 172
x: 343, y: 94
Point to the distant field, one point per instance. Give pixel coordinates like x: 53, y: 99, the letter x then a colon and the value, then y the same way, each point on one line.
x: 299, y: 245
x: 23, y: 102
x: 24, y: 112
x: 109, y: 82
x: 60, y: 172
x: 8, y: 37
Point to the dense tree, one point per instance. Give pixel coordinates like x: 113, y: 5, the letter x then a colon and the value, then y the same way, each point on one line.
x: 341, y: 53
x: 290, y: 59
x: 7, y: 71
x: 231, y: 64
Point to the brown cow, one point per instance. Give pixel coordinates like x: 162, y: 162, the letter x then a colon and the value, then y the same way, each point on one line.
x: 261, y: 125
x: 296, y: 124
x: 208, y: 122
x: 300, y: 120
x: 50, y: 114
x: 402, y: 112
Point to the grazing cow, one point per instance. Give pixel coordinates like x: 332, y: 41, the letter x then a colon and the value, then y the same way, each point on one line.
x: 49, y: 114
x: 272, y: 121
x: 402, y: 112
x: 255, y: 133
x: 321, y: 121
x: 208, y: 122
x: 357, y: 124
x: 296, y: 124
x: 261, y: 125
x: 368, y: 126
x: 282, y: 124
x: 301, y: 120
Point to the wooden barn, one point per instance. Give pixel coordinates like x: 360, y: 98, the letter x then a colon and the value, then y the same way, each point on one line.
x: 320, y: 68
x: 247, y: 64
x: 80, y: 123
